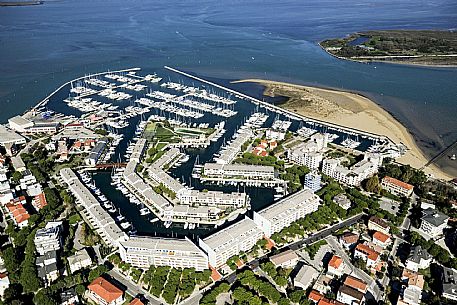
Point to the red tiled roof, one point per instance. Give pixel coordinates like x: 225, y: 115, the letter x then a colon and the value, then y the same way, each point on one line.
x: 355, y: 283
x: 372, y: 254
x: 270, y: 243
x: 39, y: 201
x: 335, y: 262
x: 136, y: 301
x: 19, y: 213
x: 325, y: 301
x: 215, y: 275
x: 105, y: 289
x: 315, y: 296
x: 397, y: 182
x: 381, y: 236
x: 350, y: 238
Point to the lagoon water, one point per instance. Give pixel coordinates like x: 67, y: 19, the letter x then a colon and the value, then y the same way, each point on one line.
x: 44, y: 46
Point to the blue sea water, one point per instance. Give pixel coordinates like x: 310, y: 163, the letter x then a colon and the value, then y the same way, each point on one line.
x: 44, y: 46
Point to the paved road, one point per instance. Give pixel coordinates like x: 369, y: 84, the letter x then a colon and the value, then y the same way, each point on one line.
x: 77, y: 239
x: 193, y: 300
x: 133, y: 288
x: 323, y: 233
x: 373, y: 287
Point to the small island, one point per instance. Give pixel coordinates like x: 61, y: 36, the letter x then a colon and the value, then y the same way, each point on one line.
x: 424, y: 47
x: 20, y: 3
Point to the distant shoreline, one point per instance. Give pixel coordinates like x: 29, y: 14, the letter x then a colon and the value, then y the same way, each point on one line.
x: 408, y: 47
x: 20, y: 3
x: 398, y: 62
x: 351, y: 110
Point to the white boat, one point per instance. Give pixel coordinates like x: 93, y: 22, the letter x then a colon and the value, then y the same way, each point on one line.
x: 167, y: 224
x: 144, y: 211
x: 125, y: 225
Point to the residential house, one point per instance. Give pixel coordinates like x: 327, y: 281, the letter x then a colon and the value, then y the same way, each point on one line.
x: 286, y: 259
x: 370, y: 256
x: 349, y: 240
x: 305, y: 276
x: 322, y: 284
x: 49, y: 238
x: 336, y: 266
x: 19, y: 214
x: 350, y: 296
x: 315, y: 296
x: 47, y: 267
x: 377, y: 224
x: 356, y: 284
x: 412, y: 291
x: 325, y: 301
x: 433, y: 223
x: 79, y: 260
x: 418, y: 258
x: 136, y: 301
x: 103, y: 292
x: 382, y: 240
x: 343, y: 201
x: 39, y: 201
x: 69, y: 297
x: 449, y: 280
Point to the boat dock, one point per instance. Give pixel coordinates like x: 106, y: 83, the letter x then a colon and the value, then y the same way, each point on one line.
x: 285, y: 112
x: 46, y: 99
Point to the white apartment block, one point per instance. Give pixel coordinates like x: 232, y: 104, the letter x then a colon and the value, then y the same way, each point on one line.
x: 79, y: 260
x: 144, y: 191
x: 283, y: 213
x: 396, y: 187
x: 357, y: 173
x: 220, y: 246
x: 100, y: 219
x: 433, y: 222
x: 143, y: 252
x: 241, y: 171
x: 312, y: 160
x: 49, y: 238
x: 214, y: 198
x: 309, y: 154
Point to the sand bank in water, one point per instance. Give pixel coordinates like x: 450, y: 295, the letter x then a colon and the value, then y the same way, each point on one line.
x: 349, y: 110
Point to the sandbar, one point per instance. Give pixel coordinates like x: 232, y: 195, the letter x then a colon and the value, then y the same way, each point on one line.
x: 349, y: 110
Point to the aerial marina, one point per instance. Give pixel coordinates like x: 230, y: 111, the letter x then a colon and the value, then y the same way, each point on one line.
x: 129, y: 106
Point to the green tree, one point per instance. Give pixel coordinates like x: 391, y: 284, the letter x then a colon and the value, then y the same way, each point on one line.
x: 12, y: 259
x: 43, y: 298
x: 16, y: 176
x: 96, y: 272
x: 372, y: 184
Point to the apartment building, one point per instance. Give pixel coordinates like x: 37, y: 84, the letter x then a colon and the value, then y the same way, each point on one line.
x: 274, y: 218
x: 143, y: 252
x: 240, y: 236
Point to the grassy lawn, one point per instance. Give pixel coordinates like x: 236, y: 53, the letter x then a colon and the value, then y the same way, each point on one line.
x: 160, y: 145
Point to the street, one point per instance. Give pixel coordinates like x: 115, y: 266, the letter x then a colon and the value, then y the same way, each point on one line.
x: 133, y: 288
x: 323, y: 233
x: 372, y: 286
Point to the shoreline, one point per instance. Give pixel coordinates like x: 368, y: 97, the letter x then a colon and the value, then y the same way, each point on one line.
x: 351, y: 110
x: 375, y: 60
x: 19, y: 3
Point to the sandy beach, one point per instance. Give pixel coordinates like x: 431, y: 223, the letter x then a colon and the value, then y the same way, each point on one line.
x: 349, y: 110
